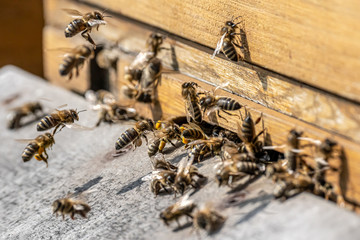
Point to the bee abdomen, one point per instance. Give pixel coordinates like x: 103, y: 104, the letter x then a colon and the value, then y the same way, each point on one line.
x: 154, y: 147
x: 67, y: 65
x: 247, y: 167
x: 29, y: 151
x: 46, y: 123
x: 192, y: 134
x: 127, y: 137
x: 74, y: 28
x: 197, y: 112
x: 229, y: 51
x: 228, y: 104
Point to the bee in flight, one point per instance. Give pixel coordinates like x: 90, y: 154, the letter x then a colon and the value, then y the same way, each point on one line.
x: 227, y: 42
x: 37, y: 147
x: 59, y: 118
x: 208, y: 219
x: 84, y: 23
x: 31, y: 108
x: 69, y: 206
x: 74, y: 59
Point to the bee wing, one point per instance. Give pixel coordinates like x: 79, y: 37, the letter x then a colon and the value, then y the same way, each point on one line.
x: 151, y: 176
x: 219, y: 45
x: 211, y: 114
x: 96, y: 22
x: 72, y: 12
x: 200, y: 141
x: 79, y: 127
x: 183, y: 202
x: 24, y: 140
x: 141, y: 60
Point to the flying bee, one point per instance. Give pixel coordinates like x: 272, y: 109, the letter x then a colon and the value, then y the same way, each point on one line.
x: 31, y: 108
x: 213, y: 103
x: 208, y: 219
x: 37, y: 147
x: 289, y: 185
x: 183, y: 207
x: 57, y: 119
x: 159, y: 163
x: 247, y: 133
x: 163, y: 136
x: 75, y: 59
x: 185, y: 176
x: 114, y: 112
x: 192, y: 108
x: 227, y: 42
x: 161, y: 180
x: 84, y: 23
x: 69, y: 206
x: 133, y: 135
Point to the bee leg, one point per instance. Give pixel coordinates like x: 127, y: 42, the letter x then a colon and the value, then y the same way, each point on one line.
x: 178, y: 223
x: 147, y: 142
x: 171, y: 143
x: 87, y: 37
x: 77, y: 70
x: 218, y: 113
x: 73, y: 216
x: 63, y: 216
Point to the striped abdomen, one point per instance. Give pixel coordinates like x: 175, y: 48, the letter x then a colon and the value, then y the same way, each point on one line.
x: 126, y: 138
x: 29, y: 151
x: 247, y: 167
x: 75, y: 27
x: 229, y: 51
x: 192, y: 133
x: 46, y: 123
x: 227, y: 103
x: 197, y: 116
x: 154, y: 147
x: 67, y: 65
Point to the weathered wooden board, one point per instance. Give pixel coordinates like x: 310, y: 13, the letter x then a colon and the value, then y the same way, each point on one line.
x: 54, y: 40
x: 269, y: 89
x: 314, y: 42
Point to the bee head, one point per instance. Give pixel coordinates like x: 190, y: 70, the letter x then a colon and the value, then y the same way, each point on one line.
x: 151, y: 124
x: 37, y: 107
x: 99, y: 15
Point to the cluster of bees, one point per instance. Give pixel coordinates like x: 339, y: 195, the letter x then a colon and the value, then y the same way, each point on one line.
x: 242, y: 153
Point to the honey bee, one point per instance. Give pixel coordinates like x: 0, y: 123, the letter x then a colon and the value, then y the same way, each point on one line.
x: 289, y: 185
x: 31, y: 108
x: 149, y: 81
x: 183, y: 207
x: 224, y: 133
x: 69, y: 206
x: 99, y: 97
x: 37, y: 147
x: 192, y: 108
x: 133, y: 135
x: 159, y: 163
x: 247, y: 133
x: 114, y: 112
x: 191, y: 131
x: 227, y: 42
x: 75, y: 59
x: 185, y: 176
x: 164, y: 136
x: 84, y: 23
x: 214, y: 103
x: 208, y: 219
x: 57, y: 119
x: 161, y: 180
x: 154, y: 42
x: 202, y: 147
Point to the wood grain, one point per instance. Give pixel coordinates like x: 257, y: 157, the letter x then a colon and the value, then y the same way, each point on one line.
x: 264, y: 87
x: 316, y: 43
x: 53, y: 40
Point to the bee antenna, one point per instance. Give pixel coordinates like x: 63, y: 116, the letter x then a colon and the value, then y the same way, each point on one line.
x: 81, y: 111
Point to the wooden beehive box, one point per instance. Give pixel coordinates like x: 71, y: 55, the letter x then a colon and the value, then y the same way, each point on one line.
x: 300, y: 70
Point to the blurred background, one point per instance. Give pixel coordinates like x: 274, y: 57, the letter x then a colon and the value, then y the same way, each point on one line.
x: 21, y: 38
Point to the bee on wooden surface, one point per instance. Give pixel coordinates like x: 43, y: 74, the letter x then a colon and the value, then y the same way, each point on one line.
x: 84, y: 23
x: 133, y: 135
x: 163, y: 136
x: 247, y: 133
x: 115, y: 112
x: 71, y: 207
x: 17, y: 114
x: 37, y: 147
x: 289, y: 185
x: 232, y: 170
x: 227, y: 42
x: 213, y: 104
x: 183, y: 207
x: 154, y: 42
x: 75, y: 59
x: 208, y: 218
x: 159, y: 163
x: 161, y: 180
x: 57, y: 119
x: 191, y: 132
x: 185, y: 176
x: 192, y: 108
